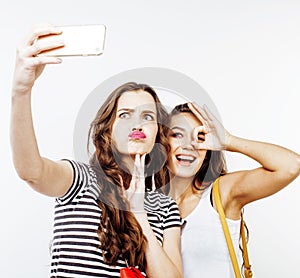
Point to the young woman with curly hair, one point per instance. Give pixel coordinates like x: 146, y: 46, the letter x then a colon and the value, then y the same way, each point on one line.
x: 106, y: 212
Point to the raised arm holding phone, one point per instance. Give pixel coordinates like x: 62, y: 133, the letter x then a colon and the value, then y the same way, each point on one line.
x: 105, y: 214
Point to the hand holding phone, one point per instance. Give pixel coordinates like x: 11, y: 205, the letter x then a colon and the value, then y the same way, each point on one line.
x: 79, y: 40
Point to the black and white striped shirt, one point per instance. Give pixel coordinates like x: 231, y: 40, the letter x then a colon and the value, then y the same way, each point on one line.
x: 75, y: 247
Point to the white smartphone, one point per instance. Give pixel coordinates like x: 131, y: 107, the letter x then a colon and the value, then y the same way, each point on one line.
x: 79, y: 40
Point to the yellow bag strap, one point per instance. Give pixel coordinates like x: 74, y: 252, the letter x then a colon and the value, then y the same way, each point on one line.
x: 247, y: 266
x: 220, y: 210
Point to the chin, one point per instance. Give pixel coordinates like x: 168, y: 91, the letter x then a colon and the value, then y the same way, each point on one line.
x: 185, y: 173
x: 139, y: 151
x: 138, y: 147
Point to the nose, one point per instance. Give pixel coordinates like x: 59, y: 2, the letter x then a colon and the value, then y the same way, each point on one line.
x: 137, y: 129
x: 137, y: 123
x: 186, y: 143
x: 187, y: 147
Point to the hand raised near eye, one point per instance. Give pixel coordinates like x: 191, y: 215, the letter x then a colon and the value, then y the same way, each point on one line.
x: 211, y: 135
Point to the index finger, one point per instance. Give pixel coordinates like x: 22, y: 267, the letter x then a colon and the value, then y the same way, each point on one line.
x: 41, y: 30
x: 142, y: 165
x: 197, y: 111
x: 139, y: 165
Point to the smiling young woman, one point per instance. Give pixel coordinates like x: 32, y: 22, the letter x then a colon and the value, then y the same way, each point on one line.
x: 197, y: 140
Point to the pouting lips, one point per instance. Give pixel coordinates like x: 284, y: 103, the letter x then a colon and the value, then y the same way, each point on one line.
x: 137, y: 135
x: 185, y: 158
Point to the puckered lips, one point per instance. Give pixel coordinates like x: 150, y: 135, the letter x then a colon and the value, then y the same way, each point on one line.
x: 185, y: 159
x: 137, y: 135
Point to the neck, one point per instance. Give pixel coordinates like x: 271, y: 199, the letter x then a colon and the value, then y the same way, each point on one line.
x: 180, y: 188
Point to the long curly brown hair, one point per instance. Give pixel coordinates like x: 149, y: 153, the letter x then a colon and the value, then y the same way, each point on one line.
x: 214, y: 164
x: 119, y: 232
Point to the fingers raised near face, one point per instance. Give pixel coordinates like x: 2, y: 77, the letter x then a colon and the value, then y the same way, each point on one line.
x: 139, y: 165
x: 200, y: 145
x: 209, y: 115
x: 199, y: 133
x: 197, y: 111
x: 143, y: 162
x: 199, y: 138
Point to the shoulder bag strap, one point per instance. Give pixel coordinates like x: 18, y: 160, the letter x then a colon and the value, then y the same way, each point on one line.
x: 220, y: 210
x: 247, y: 266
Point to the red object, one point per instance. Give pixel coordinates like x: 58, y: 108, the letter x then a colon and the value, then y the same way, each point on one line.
x: 131, y: 272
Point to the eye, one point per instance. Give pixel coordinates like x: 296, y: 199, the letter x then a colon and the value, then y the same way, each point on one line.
x: 124, y: 115
x: 177, y: 135
x: 148, y: 117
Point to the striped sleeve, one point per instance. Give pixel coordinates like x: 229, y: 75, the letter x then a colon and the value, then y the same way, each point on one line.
x: 172, y: 218
x: 79, y: 184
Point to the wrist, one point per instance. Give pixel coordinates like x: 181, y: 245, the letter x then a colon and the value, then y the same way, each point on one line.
x: 19, y: 91
x: 231, y: 143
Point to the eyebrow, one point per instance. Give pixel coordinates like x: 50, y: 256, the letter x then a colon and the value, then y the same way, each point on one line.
x: 149, y: 111
x: 126, y: 109
x: 178, y: 127
x: 132, y: 110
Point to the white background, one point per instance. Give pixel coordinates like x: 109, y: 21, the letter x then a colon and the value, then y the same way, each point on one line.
x: 246, y: 54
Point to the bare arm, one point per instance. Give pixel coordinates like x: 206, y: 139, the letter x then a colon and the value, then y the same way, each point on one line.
x: 279, y: 166
x: 164, y: 262
x: 46, y: 176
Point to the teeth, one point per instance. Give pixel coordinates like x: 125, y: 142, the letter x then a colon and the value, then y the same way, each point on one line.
x: 185, y: 158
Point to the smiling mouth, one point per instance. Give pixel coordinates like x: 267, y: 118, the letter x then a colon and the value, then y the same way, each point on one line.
x: 185, y: 159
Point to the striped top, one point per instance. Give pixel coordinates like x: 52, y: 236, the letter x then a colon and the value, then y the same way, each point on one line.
x: 75, y: 248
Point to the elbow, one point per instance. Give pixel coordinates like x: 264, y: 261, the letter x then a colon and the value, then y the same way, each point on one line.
x: 30, y: 180
x: 26, y: 177
x: 297, y: 166
x: 294, y: 170
x: 31, y: 174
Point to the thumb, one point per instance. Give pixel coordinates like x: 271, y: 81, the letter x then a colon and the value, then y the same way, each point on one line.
x: 200, y: 145
x: 199, y: 133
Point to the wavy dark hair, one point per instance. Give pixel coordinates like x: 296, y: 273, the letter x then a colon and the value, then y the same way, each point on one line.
x: 119, y: 232
x: 214, y: 164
